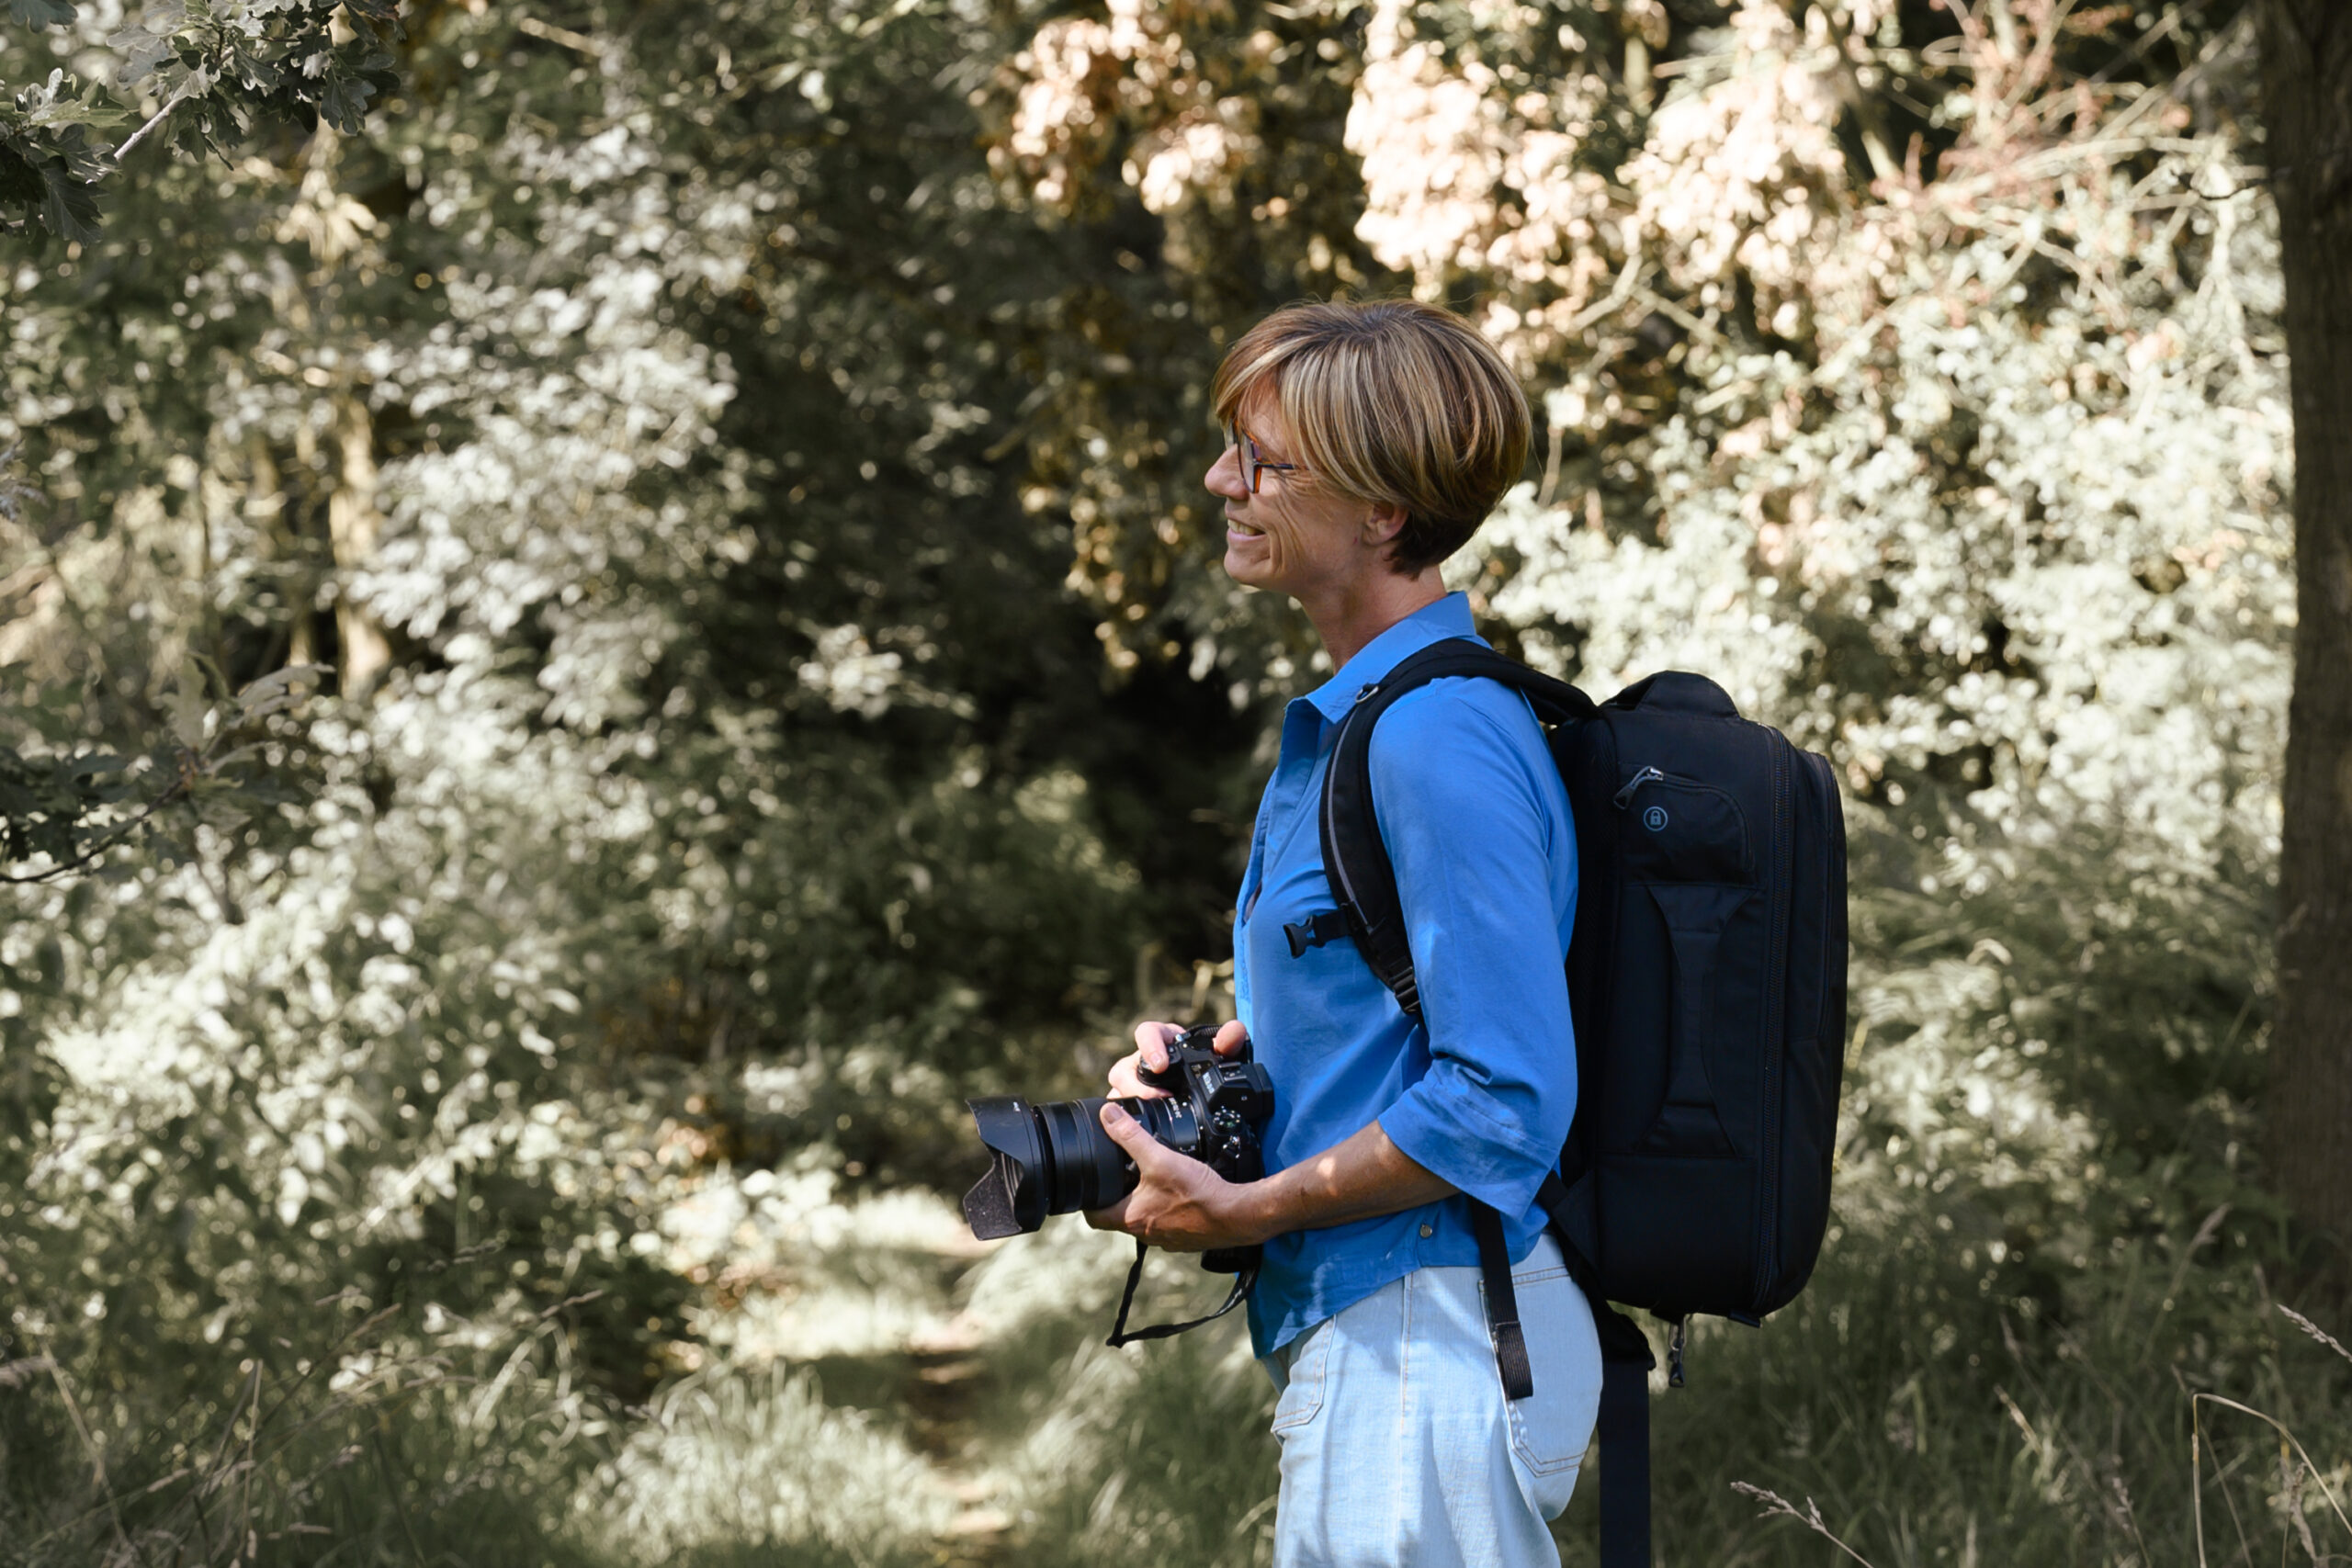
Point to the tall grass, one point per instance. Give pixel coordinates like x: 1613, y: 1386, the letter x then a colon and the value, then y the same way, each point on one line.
x: 367, y: 1454
x: 1920, y: 1422
x: 2043, y: 1332
x: 2306, y: 1495
x: 743, y: 1467
x: 1090, y: 1451
x: 2156, y: 1406
x: 1930, y: 1423
x: 369, y: 1447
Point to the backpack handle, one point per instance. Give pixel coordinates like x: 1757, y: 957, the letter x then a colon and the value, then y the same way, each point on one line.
x: 1677, y: 691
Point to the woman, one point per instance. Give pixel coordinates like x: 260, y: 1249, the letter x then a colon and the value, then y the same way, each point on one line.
x: 1365, y: 442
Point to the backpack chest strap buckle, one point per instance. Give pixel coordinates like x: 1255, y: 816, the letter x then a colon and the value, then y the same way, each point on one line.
x: 1316, y: 930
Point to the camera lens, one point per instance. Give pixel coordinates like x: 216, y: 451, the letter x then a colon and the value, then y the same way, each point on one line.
x: 1090, y: 1170
x: 1056, y: 1160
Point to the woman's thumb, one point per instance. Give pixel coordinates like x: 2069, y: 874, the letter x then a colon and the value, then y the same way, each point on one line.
x: 1124, y: 1129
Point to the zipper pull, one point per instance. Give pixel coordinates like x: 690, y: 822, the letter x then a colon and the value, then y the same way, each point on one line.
x: 1675, y: 1341
x: 1646, y: 775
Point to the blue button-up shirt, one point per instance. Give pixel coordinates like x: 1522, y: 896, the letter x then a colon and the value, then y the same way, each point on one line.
x: 1476, y: 821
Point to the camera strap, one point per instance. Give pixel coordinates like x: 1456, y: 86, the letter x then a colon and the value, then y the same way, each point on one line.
x: 1120, y: 1335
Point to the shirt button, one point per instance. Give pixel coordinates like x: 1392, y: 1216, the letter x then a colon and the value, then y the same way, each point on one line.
x: 1427, y: 1231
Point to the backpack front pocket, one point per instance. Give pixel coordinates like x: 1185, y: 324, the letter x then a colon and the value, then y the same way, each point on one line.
x: 1681, y: 830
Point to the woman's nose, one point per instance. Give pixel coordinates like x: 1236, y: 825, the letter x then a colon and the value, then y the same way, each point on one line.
x: 1224, y: 477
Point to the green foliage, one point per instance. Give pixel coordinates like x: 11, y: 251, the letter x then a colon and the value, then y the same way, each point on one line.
x: 47, y: 159
x: 63, y: 806
x: 216, y: 72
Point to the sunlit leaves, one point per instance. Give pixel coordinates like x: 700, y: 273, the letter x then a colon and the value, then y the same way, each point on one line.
x: 640, y: 466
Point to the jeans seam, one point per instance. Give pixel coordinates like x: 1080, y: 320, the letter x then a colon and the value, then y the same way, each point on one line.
x: 1523, y: 1447
x: 1556, y: 1467
x: 1404, y: 1412
x: 1303, y: 1356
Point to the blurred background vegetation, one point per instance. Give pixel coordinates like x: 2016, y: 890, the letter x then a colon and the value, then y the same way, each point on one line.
x: 608, y: 608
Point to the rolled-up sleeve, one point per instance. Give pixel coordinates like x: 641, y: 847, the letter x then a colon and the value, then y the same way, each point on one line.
x: 1478, y: 826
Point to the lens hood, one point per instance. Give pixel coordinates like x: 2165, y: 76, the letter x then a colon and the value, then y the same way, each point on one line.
x: 1010, y: 1199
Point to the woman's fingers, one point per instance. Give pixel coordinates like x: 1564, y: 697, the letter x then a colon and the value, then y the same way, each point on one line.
x: 1152, y: 1052
x: 1152, y: 1041
x: 1125, y: 1083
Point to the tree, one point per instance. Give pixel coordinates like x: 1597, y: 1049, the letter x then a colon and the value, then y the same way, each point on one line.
x: 2307, y: 101
x: 202, y: 79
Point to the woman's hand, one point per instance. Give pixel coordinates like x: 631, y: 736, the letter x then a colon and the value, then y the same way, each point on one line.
x: 1178, y: 1204
x: 1152, y: 1041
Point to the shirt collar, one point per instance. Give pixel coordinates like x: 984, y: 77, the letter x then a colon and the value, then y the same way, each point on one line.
x: 1449, y: 617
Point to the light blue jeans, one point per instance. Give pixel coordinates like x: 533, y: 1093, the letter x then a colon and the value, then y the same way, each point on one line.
x: 1398, y: 1447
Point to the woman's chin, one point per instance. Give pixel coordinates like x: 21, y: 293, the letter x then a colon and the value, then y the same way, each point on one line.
x: 1247, y: 561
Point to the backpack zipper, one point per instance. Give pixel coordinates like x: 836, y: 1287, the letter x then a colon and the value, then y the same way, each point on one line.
x: 1776, y: 1005
x: 1645, y: 776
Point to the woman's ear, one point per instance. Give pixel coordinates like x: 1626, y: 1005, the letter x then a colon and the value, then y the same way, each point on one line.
x: 1383, y: 523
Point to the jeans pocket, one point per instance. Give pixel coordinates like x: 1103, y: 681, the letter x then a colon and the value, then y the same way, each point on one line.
x: 1301, y: 1395
x: 1551, y: 1428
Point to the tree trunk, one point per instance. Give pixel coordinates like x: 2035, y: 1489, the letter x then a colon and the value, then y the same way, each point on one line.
x: 352, y: 526
x: 2307, y: 107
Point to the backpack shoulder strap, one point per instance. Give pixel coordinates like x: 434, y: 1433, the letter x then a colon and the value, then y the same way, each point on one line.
x: 1362, y: 877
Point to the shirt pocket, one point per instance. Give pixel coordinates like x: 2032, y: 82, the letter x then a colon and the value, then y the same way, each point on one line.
x: 1302, y: 1397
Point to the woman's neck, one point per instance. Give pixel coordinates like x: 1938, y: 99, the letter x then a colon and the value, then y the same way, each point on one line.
x: 1352, y: 617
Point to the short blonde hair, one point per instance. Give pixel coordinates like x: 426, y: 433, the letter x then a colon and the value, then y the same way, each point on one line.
x: 1391, y: 402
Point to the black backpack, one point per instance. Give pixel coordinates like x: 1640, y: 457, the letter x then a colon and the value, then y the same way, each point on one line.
x: 1707, y: 983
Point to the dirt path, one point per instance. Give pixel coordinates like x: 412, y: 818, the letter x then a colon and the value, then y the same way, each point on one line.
x: 946, y: 1379
x: 942, y: 1387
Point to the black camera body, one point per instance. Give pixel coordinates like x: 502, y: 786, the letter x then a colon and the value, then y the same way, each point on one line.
x: 1056, y: 1159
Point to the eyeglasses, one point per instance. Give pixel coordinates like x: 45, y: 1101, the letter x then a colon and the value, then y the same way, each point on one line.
x: 1253, y: 467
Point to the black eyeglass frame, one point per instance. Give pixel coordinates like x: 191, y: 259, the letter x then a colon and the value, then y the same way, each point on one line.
x: 1253, y: 467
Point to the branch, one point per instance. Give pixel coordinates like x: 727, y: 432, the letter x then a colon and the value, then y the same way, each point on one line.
x: 1627, y: 282
x: 178, y: 786
x: 579, y: 43
x: 178, y: 95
